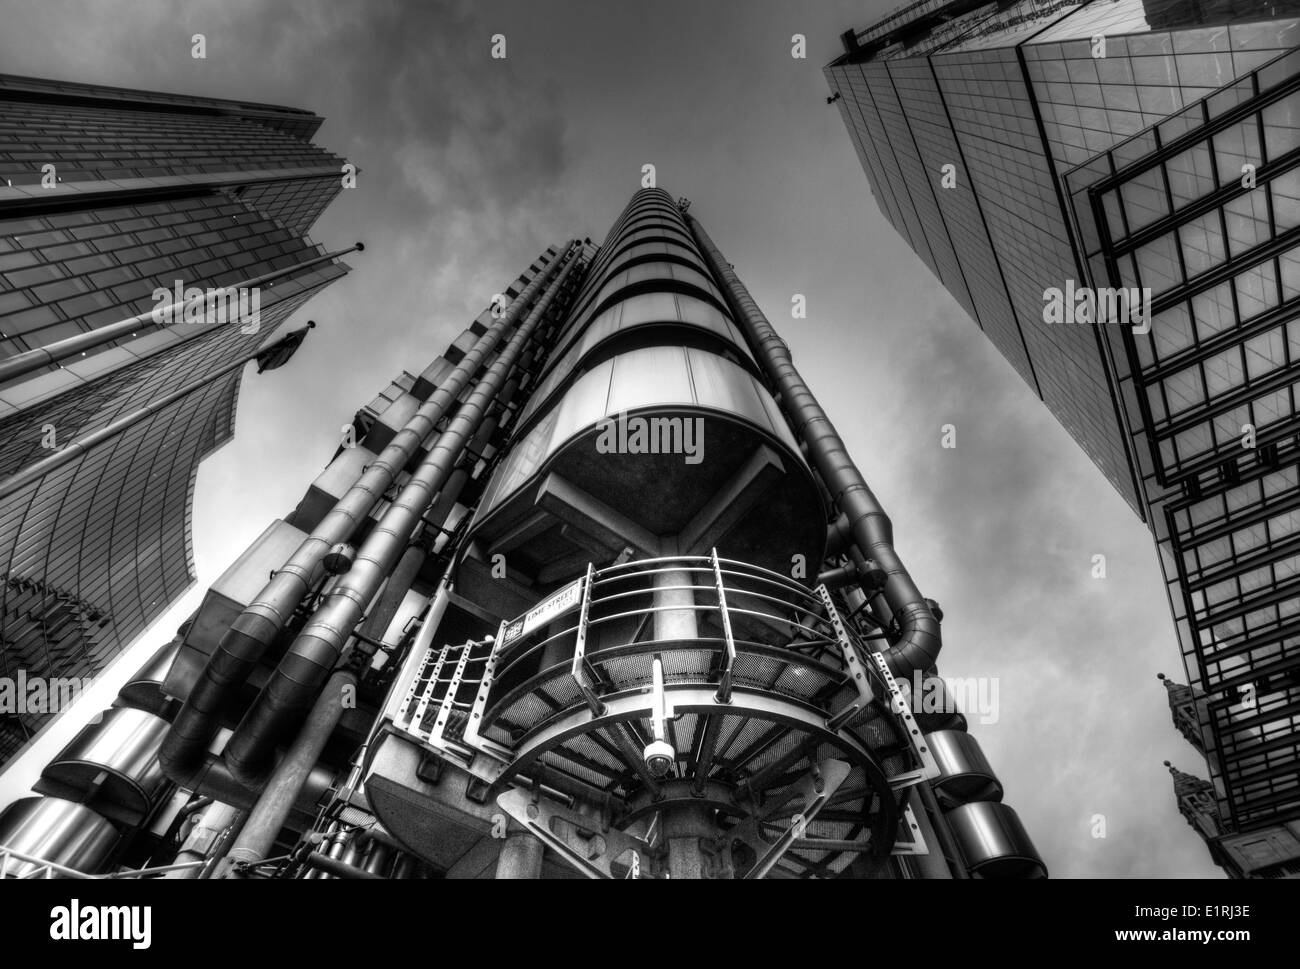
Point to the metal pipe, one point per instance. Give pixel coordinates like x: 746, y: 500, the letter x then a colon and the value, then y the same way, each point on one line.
x: 316, y: 649
x: 29, y: 360
x: 339, y: 868
x: 263, y: 620
x: 839, y: 534
x: 79, y: 447
x: 204, y: 837
x: 404, y: 868
x: 282, y: 792
x: 379, y: 858
x: 839, y: 576
x: 919, y: 641
x: 198, y: 804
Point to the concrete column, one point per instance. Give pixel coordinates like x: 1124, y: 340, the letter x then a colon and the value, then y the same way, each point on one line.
x: 684, y: 827
x: 521, y: 856
x: 385, y: 606
x: 675, y: 623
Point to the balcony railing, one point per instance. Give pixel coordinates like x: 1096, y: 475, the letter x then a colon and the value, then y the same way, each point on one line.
x: 751, y: 680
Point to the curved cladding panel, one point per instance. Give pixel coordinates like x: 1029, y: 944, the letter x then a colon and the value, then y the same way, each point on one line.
x: 650, y: 219
x: 994, y: 842
x: 964, y: 771
x: 648, y: 348
x: 115, y: 759
x: 661, y: 274
x: 144, y: 690
x: 50, y: 828
x: 738, y: 463
x: 932, y: 702
x: 648, y: 273
x: 707, y: 324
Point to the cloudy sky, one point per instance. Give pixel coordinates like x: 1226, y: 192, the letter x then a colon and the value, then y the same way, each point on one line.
x: 471, y: 166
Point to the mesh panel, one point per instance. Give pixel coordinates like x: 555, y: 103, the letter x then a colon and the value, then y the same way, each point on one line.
x: 777, y: 750
x: 683, y: 731
x: 749, y: 733
x: 562, y: 691
x: 556, y: 759
x: 755, y: 672
x: 687, y: 665
x: 526, y: 712
x: 626, y: 671
x: 590, y: 750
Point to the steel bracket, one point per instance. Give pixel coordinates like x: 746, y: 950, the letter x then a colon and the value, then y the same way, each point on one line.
x: 812, y: 792
x: 582, y: 841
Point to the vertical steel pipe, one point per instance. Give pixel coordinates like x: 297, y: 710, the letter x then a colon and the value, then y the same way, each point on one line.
x: 919, y: 643
x: 316, y: 649
x: 265, y: 618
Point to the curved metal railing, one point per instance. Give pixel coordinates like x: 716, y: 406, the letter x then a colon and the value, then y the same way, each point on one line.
x: 751, y: 680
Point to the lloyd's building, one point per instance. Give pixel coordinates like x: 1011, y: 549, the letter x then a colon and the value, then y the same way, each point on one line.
x: 596, y: 593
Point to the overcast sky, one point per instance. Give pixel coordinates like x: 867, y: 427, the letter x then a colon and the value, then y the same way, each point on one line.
x: 471, y: 166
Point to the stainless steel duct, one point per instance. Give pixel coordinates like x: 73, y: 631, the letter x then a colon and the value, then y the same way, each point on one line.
x: 113, y: 758
x: 55, y: 830
x: 313, y: 654
x: 291, y: 774
x: 144, y: 690
x: 414, y: 556
x: 253, y: 631
x: 993, y: 841
x: 919, y: 641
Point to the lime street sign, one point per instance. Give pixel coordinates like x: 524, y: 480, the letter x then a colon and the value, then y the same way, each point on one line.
x: 554, y: 606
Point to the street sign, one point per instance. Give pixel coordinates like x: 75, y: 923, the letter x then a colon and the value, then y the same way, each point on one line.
x: 554, y: 606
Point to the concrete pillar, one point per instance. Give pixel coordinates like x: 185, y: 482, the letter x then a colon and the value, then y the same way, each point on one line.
x: 684, y: 827
x: 521, y: 856
x: 676, y: 623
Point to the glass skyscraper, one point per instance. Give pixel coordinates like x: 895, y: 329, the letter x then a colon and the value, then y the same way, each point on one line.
x: 1033, y: 147
x: 108, y: 196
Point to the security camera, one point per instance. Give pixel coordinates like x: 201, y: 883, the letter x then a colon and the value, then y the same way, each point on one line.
x: 659, y: 757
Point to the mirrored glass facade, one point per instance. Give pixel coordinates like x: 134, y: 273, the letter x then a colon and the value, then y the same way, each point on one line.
x: 1102, y: 145
x: 107, y: 195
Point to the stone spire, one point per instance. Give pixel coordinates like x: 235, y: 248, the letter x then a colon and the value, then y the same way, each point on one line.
x: 1185, y: 705
x: 1196, y: 802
